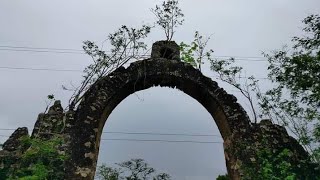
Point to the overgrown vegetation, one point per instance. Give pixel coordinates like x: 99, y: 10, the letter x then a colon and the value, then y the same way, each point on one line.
x: 295, y: 99
x: 39, y: 160
x: 293, y: 102
x: 126, y: 44
x: 277, y: 166
x: 169, y: 16
x: 195, y: 53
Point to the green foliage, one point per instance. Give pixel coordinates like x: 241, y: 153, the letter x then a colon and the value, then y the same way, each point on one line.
x: 187, y: 53
x: 277, y: 166
x: 169, y: 16
x: 294, y: 101
x: 223, y: 177
x: 40, y: 160
x: 134, y: 169
x: 6, y: 166
x: 37, y: 171
x: 195, y: 53
x: 271, y: 167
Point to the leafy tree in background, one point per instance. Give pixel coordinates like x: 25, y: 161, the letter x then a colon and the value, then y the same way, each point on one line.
x: 295, y: 99
x: 294, y: 102
x: 277, y: 166
x: 134, y: 169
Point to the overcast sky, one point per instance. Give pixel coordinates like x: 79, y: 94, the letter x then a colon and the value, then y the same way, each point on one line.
x: 238, y: 28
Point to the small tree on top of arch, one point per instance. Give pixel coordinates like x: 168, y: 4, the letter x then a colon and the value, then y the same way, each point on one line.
x: 169, y: 16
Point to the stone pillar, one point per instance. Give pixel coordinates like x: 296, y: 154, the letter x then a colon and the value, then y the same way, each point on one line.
x: 50, y: 123
x: 165, y: 49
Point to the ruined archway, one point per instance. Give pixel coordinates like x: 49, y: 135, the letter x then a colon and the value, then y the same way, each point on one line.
x: 106, y: 94
x: 81, y: 129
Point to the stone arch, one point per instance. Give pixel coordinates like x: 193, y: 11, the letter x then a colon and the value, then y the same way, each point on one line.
x: 81, y: 129
x: 106, y: 94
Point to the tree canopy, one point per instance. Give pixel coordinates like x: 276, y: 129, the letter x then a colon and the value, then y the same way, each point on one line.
x: 134, y: 169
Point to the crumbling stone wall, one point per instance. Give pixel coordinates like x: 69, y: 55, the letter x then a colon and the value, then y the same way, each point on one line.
x: 82, y: 128
x: 50, y: 124
x: 10, y: 152
x: 13, y: 143
x: 245, y: 146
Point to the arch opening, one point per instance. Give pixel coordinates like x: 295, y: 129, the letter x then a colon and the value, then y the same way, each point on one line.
x: 166, y: 115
